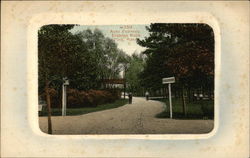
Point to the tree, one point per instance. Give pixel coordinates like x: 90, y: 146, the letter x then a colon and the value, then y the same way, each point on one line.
x: 85, y: 76
x: 105, y: 60
x: 86, y: 58
x: 185, y: 51
x: 54, y: 58
x: 136, y: 65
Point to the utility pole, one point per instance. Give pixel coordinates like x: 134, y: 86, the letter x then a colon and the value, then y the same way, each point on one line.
x: 124, y: 80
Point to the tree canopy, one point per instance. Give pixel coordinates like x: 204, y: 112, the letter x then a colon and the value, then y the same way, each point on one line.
x: 86, y: 57
x: 185, y: 51
x: 136, y: 65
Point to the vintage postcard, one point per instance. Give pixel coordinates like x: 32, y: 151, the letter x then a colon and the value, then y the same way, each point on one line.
x: 125, y: 79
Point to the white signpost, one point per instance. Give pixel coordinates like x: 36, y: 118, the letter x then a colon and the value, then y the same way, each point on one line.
x: 168, y: 81
x: 64, y: 96
x: 40, y: 107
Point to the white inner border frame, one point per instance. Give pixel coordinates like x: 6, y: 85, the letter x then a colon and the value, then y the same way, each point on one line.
x: 114, y: 19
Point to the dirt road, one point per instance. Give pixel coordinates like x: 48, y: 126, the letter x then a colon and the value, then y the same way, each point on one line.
x: 135, y: 118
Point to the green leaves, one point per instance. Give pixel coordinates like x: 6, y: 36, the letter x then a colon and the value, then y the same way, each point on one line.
x: 185, y: 51
x: 86, y: 57
x: 133, y: 72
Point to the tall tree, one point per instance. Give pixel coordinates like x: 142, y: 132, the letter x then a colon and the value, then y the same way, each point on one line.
x: 185, y: 51
x: 106, y: 58
x: 135, y: 68
x: 85, y: 76
x: 54, y: 55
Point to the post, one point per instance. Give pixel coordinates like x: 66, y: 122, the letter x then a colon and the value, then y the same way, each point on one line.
x: 63, y: 100
x: 49, y: 107
x: 168, y: 81
x: 183, y: 102
x: 170, y: 100
x: 124, y: 86
x: 64, y: 95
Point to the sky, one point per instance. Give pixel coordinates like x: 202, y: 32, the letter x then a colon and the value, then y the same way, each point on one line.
x: 124, y: 35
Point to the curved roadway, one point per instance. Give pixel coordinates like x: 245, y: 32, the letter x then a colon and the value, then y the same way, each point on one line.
x: 135, y: 118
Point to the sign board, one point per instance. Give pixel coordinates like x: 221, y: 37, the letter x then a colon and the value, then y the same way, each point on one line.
x: 66, y: 83
x: 113, y: 81
x: 40, y: 107
x: 168, y: 80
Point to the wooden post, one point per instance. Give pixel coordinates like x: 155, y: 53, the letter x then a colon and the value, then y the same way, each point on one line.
x: 48, y: 106
x: 183, y: 102
x: 64, y: 95
x: 170, y: 100
x: 124, y: 89
x: 168, y: 81
x: 63, y: 104
x: 124, y: 74
x: 64, y: 100
x: 189, y: 95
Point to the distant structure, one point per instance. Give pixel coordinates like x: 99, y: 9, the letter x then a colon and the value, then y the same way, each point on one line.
x: 113, y: 83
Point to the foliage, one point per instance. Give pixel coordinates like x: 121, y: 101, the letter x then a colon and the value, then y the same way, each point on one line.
x: 55, y: 53
x: 137, y: 62
x: 105, y: 58
x: 185, y: 51
x: 86, y: 57
x: 203, y: 109
x: 91, y: 98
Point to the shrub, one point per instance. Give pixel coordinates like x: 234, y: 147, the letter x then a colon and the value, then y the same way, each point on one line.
x: 116, y: 93
x: 91, y: 98
x: 76, y: 98
x: 208, y: 110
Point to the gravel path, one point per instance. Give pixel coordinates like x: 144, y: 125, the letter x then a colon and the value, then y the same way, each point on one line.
x: 135, y: 118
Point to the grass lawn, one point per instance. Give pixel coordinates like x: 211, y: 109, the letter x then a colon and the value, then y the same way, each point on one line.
x: 202, y: 109
x: 85, y: 110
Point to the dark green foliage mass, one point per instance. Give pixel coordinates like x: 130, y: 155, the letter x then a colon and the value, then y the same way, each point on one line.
x: 86, y: 57
x: 185, y: 51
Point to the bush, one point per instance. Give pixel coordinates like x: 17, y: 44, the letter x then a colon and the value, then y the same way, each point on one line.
x: 76, y: 98
x: 208, y: 110
x: 116, y: 93
x: 202, y: 109
x: 91, y: 98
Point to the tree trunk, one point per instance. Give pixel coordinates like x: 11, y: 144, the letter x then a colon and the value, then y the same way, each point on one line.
x: 48, y: 107
x: 124, y: 89
x: 184, y: 102
x: 189, y: 94
x: 166, y: 93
